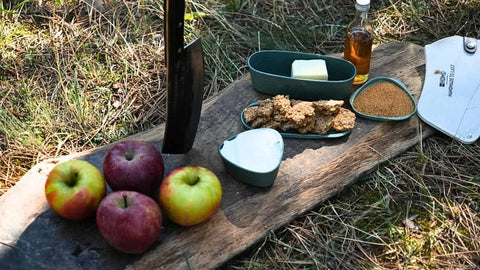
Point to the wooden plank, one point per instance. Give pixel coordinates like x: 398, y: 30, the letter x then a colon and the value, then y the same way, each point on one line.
x: 312, y: 171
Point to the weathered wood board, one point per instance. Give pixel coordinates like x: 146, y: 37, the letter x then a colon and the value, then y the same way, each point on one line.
x: 33, y: 237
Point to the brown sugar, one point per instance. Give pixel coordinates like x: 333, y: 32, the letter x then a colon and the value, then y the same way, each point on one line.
x: 384, y: 99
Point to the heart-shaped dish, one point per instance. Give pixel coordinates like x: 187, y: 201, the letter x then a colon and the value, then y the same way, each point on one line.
x: 254, y: 156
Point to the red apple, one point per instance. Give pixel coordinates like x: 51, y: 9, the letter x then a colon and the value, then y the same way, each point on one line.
x: 134, y: 165
x: 129, y: 221
x: 74, y: 189
x: 190, y: 195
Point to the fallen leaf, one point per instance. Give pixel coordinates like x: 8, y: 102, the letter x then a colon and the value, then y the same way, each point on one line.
x: 17, y: 114
x: 116, y: 104
x: 116, y: 86
x: 410, y: 224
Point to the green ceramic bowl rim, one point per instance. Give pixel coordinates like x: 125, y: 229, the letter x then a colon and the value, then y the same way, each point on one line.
x: 299, y: 53
x: 243, y: 168
x: 382, y: 118
x: 286, y: 134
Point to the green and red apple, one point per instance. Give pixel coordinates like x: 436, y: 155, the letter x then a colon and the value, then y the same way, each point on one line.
x: 74, y: 189
x: 190, y: 195
x: 129, y: 221
x: 134, y: 165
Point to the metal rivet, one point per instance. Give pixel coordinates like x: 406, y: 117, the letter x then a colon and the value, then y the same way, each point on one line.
x: 181, y: 24
x: 469, y: 135
x: 179, y: 50
x: 470, y: 45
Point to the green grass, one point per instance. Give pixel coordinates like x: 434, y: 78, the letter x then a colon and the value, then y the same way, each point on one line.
x: 70, y: 82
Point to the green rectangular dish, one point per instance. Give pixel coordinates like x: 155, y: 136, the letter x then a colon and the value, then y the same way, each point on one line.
x: 270, y: 71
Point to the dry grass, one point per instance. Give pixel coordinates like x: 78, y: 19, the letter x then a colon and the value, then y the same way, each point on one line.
x: 418, y: 211
x: 70, y: 82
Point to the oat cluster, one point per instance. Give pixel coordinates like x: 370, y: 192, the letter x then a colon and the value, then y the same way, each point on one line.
x: 285, y: 114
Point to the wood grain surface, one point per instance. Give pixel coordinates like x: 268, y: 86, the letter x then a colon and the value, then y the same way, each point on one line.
x: 31, y: 235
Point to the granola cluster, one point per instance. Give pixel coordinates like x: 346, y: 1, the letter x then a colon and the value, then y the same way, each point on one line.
x: 285, y: 114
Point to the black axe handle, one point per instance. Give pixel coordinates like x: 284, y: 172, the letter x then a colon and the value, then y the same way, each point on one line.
x: 184, y: 82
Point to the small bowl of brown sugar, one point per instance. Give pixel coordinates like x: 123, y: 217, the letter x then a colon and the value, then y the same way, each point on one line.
x: 382, y: 99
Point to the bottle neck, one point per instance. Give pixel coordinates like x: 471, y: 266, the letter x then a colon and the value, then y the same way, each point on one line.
x: 362, y: 8
x: 363, y: 15
x: 362, y: 12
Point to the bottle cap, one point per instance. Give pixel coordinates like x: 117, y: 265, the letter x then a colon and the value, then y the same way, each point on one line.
x: 363, y: 2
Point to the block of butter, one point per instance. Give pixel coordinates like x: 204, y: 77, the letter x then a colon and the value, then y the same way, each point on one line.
x: 315, y: 69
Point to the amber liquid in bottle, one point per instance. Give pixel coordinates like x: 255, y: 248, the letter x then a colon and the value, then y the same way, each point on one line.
x: 358, y: 50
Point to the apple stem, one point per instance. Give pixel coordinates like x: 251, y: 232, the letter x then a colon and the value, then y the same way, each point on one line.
x: 73, y: 179
x: 196, y: 181
x: 125, y: 200
x: 129, y: 155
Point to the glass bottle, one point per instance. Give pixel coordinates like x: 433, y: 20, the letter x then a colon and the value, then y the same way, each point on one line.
x: 358, y: 41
